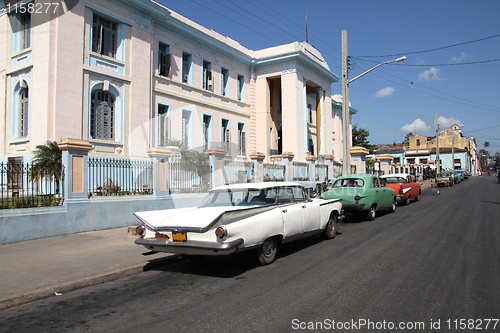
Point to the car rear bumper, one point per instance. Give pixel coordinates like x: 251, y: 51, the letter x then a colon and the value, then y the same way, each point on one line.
x: 190, y: 247
x: 353, y: 208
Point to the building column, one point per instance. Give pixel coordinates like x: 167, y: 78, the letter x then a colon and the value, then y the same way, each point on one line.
x: 358, y: 158
x: 161, y: 171
x: 258, y: 168
x: 311, y: 159
x: 216, y: 160
x: 76, y: 172
x: 329, y: 162
x: 385, y: 163
x: 288, y: 163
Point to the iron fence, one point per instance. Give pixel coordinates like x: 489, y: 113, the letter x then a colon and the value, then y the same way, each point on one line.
x: 237, y: 172
x: 321, y: 171
x: 273, y: 172
x: 25, y: 185
x: 119, y: 176
x: 187, y: 178
x: 300, y: 171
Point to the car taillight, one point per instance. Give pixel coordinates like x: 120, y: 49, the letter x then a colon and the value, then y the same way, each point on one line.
x: 139, y: 230
x: 401, y: 190
x: 221, y: 232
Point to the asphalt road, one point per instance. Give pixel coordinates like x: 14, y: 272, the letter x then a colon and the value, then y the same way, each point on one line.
x: 432, y: 264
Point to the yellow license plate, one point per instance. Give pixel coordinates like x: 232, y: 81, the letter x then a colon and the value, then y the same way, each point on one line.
x: 179, y: 236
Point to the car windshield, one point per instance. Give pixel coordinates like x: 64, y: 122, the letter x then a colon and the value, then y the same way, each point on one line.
x: 349, y: 182
x: 394, y: 180
x: 445, y: 174
x: 240, y: 197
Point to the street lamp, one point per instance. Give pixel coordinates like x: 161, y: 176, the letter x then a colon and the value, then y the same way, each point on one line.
x: 346, y: 165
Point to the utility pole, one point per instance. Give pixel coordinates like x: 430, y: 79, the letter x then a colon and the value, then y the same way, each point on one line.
x: 346, y: 163
x: 437, y: 145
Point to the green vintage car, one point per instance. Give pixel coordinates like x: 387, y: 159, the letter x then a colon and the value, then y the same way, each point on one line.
x: 363, y: 194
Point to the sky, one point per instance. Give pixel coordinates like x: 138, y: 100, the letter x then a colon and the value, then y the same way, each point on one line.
x: 452, y: 49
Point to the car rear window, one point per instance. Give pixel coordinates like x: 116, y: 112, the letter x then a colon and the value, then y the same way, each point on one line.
x: 349, y: 182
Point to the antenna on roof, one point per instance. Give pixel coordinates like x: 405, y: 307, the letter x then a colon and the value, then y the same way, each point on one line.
x: 307, y: 34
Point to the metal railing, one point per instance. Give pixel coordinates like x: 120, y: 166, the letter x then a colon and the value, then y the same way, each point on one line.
x: 25, y: 185
x: 300, y: 171
x: 273, y: 172
x: 119, y: 176
x: 237, y: 172
x: 185, y: 178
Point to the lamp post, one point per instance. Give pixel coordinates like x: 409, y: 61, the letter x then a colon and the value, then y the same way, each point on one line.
x: 346, y: 165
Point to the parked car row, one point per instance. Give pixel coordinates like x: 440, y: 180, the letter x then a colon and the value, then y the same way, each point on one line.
x: 452, y: 177
x: 261, y: 216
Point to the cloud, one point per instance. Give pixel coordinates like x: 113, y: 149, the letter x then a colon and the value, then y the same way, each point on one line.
x: 448, y: 122
x: 431, y: 74
x: 384, y: 92
x: 461, y: 57
x: 418, y: 126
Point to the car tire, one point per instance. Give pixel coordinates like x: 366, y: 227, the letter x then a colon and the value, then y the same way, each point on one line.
x: 267, y: 251
x: 393, y: 206
x: 407, y: 201
x: 331, y: 227
x: 370, y: 215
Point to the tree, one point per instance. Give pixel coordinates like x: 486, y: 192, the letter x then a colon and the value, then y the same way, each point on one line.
x: 407, y: 138
x: 486, y: 144
x: 47, y: 163
x: 360, y: 138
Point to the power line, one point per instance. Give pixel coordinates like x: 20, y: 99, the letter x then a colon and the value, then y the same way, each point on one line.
x: 431, y: 50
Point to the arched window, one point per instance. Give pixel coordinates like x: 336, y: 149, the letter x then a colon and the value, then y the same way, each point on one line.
x: 102, y: 115
x: 23, y: 112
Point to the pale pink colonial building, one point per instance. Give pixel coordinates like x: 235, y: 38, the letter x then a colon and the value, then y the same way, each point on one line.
x: 134, y: 75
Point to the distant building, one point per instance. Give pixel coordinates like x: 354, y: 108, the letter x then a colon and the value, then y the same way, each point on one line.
x: 131, y: 75
x: 455, y: 151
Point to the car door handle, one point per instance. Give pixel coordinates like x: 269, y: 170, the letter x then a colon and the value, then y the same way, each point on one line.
x: 284, y: 210
x: 304, y: 206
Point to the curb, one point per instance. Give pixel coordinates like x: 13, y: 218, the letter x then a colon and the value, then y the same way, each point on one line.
x: 82, y: 283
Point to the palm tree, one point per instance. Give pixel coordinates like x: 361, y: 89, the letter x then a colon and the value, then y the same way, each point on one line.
x: 47, y: 163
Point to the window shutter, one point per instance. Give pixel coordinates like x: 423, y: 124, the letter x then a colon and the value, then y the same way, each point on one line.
x: 243, y: 144
x: 227, y: 140
x: 24, y: 113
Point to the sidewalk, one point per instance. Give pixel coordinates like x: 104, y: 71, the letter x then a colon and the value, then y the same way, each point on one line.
x: 41, y: 268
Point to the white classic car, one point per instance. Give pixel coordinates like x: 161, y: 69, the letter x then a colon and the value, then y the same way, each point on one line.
x: 239, y: 217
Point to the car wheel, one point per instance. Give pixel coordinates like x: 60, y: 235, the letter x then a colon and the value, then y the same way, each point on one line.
x: 393, y: 206
x: 331, y: 227
x: 370, y: 216
x: 267, y: 251
x: 407, y: 201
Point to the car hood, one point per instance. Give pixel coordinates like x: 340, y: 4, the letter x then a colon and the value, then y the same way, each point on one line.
x: 198, y: 219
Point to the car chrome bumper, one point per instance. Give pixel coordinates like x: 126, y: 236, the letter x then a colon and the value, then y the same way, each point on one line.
x: 189, y: 247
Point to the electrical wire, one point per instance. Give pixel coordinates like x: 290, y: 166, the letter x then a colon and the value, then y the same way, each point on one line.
x: 431, y: 50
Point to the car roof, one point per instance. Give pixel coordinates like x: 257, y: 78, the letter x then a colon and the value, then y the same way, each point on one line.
x: 257, y: 186
x: 404, y: 175
x: 358, y: 175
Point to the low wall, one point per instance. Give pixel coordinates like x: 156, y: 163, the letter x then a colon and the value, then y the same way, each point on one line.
x: 74, y: 216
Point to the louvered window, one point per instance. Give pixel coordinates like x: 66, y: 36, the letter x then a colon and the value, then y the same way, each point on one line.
x: 240, y: 85
x: 224, y: 82
x: 25, y: 20
x: 102, y: 115
x: 186, y: 67
x: 163, y: 126
x: 24, y: 113
x: 207, y: 76
x: 164, y: 60
x: 241, y: 140
x: 104, y: 36
x: 225, y: 136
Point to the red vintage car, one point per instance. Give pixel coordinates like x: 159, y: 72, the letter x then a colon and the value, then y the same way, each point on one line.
x: 405, y: 186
